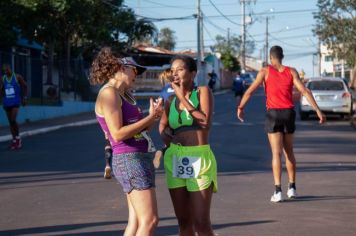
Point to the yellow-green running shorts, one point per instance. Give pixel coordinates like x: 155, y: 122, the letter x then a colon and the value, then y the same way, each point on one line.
x: 193, y: 167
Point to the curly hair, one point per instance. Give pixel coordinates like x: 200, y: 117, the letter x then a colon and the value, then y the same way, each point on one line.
x: 165, y: 76
x: 104, y: 66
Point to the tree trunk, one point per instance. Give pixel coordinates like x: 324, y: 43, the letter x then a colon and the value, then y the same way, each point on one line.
x: 67, y: 73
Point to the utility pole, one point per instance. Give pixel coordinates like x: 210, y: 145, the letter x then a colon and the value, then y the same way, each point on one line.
x: 243, y: 35
x: 200, y: 45
x: 228, y: 37
x: 319, y: 58
x: 266, y: 52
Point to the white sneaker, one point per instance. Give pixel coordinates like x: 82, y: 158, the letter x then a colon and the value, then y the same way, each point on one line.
x: 277, y: 197
x: 107, y: 173
x: 292, y: 193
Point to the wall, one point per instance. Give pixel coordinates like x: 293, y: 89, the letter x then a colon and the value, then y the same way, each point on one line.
x: 35, y: 113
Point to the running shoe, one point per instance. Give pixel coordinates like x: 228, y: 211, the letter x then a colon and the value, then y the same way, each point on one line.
x: 107, y: 172
x: 12, y: 145
x: 277, y: 197
x: 16, y: 144
x: 292, y: 193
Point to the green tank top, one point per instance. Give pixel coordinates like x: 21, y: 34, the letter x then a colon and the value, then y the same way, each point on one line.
x: 177, y: 119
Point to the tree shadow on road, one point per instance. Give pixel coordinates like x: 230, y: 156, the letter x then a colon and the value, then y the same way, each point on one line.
x: 161, y: 230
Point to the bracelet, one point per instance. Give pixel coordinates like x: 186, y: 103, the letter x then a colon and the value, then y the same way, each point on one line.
x: 190, y: 111
x: 240, y: 108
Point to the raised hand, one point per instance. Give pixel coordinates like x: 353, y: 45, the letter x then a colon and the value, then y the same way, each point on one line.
x: 156, y: 107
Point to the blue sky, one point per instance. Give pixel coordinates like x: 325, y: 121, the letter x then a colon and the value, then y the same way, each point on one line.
x: 290, y: 24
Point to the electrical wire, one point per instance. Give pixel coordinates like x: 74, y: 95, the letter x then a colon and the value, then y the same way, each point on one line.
x: 288, y: 44
x: 222, y: 14
x: 213, y: 24
x: 290, y: 29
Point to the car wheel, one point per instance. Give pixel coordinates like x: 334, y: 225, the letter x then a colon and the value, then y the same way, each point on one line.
x: 303, y: 115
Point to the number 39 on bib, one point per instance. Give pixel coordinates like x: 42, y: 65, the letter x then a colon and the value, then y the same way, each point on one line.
x: 186, y: 167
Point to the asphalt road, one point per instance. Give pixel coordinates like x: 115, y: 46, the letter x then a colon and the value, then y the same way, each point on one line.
x: 54, y: 185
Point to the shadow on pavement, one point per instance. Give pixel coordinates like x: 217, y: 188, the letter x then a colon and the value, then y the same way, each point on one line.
x: 322, y: 198
x: 161, y: 230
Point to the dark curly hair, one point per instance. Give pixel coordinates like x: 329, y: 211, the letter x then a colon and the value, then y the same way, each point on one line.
x: 105, y: 66
x: 188, y: 61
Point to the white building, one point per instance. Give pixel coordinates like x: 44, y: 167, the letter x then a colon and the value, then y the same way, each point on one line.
x: 332, y: 66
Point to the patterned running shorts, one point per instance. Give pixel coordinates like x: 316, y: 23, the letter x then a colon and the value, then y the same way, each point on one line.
x: 134, y: 170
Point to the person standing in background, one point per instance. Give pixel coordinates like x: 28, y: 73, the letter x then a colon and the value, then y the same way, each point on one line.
x: 239, y: 88
x: 13, y: 89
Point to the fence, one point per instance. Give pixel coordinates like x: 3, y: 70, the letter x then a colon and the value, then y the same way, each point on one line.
x: 50, y: 85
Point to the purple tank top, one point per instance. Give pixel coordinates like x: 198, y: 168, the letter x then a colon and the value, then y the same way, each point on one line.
x: 130, y: 114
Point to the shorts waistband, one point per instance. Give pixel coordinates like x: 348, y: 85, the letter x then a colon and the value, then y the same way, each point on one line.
x: 192, y: 148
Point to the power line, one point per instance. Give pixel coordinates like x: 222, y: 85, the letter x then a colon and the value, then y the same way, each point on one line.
x: 222, y: 14
x: 213, y: 24
x: 185, y: 7
x: 209, y: 34
x: 288, y: 44
x: 169, y: 18
x: 290, y: 29
x: 269, y: 13
x: 287, y: 37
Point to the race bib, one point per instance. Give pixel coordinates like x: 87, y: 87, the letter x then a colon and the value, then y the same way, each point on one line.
x: 10, y: 92
x: 186, y: 167
x: 151, y: 146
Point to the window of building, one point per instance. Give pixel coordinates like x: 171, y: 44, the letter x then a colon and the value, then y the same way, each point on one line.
x: 328, y: 58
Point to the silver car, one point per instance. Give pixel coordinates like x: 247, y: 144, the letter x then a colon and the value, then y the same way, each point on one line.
x: 331, y: 94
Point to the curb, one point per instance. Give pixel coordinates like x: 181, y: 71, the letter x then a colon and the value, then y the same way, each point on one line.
x: 48, y: 129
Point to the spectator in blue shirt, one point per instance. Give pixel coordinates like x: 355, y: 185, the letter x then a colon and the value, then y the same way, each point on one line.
x: 239, y: 88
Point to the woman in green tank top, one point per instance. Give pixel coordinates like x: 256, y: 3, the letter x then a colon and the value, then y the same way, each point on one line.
x: 189, y: 163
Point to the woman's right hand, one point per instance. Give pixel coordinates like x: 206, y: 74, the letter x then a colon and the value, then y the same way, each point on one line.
x: 156, y: 108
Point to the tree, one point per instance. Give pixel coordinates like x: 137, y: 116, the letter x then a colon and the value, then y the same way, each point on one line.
x: 63, y: 25
x: 230, y: 50
x: 230, y: 62
x: 8, y: 34
x: 336, y: 27
x: 166, y: 39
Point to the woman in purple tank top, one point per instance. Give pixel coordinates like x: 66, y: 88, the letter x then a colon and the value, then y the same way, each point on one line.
x: 123, y: 123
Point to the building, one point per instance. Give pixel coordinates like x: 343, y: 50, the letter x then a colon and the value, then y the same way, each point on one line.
x: 332, y: 66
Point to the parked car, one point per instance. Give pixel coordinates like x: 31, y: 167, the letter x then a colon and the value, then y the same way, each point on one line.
x: 331, y: 94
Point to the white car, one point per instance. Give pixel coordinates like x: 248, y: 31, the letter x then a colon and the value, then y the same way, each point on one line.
x: 331, y: 94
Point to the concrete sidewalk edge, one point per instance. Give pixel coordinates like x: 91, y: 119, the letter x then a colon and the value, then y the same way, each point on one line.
x: 48, y: 129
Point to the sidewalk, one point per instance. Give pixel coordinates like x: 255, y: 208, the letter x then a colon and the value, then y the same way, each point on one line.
x: 43, y: 126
